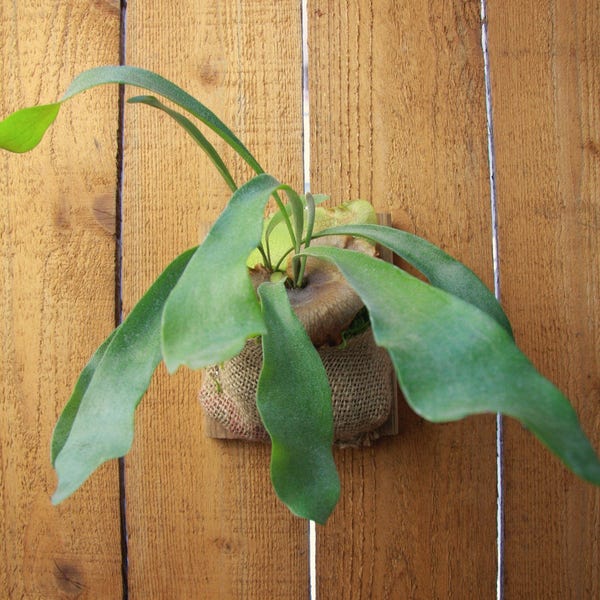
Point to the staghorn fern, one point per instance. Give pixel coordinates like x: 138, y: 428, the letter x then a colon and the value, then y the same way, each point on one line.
x: 449, y: 340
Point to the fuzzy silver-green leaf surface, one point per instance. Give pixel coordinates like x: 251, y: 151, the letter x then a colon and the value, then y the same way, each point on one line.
x: 454, y: 360
x: 294, y: 402
x: 440, y: 268
x: 213, y: 309
x: 97, y: 422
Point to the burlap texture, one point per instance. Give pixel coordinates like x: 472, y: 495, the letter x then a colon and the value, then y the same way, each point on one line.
x: 360, y: 375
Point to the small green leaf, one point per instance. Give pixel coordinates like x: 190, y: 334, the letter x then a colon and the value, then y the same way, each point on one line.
x: 294, y: 207
x: 440, y: 268
x: 310, y: 225
x: 276, y: 239
x: 213, y: 309
x: 97, y: 422
x: 294, y: 402
x: 297, y: 212
x: 310, y: 218
x: 275, y: 219
x: 454, y: 360
x: 24, y: 129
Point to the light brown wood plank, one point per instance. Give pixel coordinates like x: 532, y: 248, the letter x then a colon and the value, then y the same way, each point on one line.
x: 546, y: 85
x: 57, y: 297
x: 203, y: 520
x: 398, y: 117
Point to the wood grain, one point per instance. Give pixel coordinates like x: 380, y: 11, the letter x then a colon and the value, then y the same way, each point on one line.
x: 546, y: 85
x: 203, y: 521
x: 398, y: 117
x: 57, y: 261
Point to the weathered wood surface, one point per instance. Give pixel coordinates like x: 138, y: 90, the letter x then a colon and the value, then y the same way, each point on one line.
x: 398, y: 117
x: 57, y: 240
x: 201, y: 516
x: 545, y: 61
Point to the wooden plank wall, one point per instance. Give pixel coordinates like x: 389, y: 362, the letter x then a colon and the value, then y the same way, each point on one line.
x: 545, y: 62
x: 58, y: 250
x: 399, y: 118
x: 397, y: 104
x: 204, y: 505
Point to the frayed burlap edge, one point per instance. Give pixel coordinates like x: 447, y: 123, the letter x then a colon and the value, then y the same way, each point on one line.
x: 361, y: 379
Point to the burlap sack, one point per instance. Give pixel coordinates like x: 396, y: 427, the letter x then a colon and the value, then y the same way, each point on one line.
x: 360, y: 375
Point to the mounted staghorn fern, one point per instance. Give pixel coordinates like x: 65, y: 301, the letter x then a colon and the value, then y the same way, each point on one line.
x: 449, y: 341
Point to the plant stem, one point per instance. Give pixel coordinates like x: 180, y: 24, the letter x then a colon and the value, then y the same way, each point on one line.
x: 266, y: 258
x: 310, y: 224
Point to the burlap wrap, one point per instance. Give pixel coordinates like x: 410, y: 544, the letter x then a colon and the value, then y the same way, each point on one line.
x: 360, y: 375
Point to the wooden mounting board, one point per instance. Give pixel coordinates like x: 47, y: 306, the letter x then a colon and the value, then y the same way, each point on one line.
x: 214, y: 429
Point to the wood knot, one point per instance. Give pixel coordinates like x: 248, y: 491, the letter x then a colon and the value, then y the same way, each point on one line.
x: 112, y: 7
x: 210, y: 74
x: 224, y: 545
x: 68, y: 578
x: 104, y: 212
x: 592, y: 147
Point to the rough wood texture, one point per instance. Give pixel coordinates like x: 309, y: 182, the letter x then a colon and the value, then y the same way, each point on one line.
x: 546, y: 84
x: 398, y: 117
x: 202, y: 518
x: 57, y: 240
